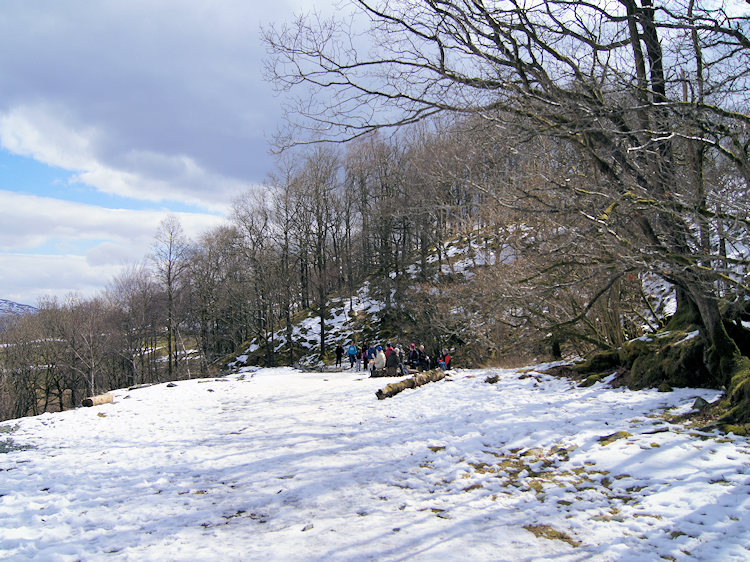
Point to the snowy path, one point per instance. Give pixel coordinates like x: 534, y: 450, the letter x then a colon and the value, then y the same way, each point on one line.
x: 289, y: 466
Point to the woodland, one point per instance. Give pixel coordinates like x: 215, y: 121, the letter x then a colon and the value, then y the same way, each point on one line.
x: 599, y: 150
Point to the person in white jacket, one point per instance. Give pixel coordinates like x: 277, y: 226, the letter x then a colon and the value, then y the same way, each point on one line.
x: 378, y: 363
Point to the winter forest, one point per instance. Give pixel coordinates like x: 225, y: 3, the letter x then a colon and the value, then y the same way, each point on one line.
x: 590, y: 161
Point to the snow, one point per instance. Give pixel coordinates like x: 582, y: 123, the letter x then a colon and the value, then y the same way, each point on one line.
x: 276, y: 464
x: 661, y: 294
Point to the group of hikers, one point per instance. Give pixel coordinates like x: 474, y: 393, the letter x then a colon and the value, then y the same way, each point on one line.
x: 389, y: 361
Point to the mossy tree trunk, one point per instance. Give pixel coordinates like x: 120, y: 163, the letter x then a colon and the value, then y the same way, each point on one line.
x: 721, y: 353
x: 724, y: 360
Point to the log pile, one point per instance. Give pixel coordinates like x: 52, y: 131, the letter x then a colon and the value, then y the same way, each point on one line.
x: 412, y: 382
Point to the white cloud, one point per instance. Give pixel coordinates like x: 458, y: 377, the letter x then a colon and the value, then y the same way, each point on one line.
x: 119, y: 236
x: 26, y: 278
x: 33, y: 131
x: 43, y: 133
x: 39, y: 220
x: 158, y: 101
x: 111, y: 253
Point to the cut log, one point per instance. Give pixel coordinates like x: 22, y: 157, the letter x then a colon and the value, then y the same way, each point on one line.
x: 412, y: 382
x: 98, y: 400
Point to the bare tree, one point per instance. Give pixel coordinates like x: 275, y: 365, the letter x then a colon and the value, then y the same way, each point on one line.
x: 319, y: 183
x: 169, y: 256
x: 217, y: 278
x: 252, y: 215
x: 285, y: 212
x: 136, y: 318
x: 19, y: 375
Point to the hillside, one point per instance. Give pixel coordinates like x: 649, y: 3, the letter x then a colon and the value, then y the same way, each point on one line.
x: 9, y: 307
x: 275, y: 464
x: 364, y: 316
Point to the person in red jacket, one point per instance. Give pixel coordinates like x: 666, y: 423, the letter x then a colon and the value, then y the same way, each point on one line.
x: 445, y: 360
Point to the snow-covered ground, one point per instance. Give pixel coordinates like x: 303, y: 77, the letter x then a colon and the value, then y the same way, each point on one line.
x: 283, y: 465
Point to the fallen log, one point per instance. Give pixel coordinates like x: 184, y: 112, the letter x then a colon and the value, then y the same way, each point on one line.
x: 97, y: 400
x: 137, y: 386
x: 412, y: 382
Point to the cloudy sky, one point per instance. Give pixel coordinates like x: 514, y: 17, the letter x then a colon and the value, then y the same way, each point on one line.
x: 115, y: 114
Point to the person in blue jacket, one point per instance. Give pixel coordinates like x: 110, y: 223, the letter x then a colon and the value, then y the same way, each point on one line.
x: 351, y: 352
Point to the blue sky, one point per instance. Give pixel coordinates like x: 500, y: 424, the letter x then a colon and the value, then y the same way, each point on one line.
x: 23, y: 174
x: 115, y: 114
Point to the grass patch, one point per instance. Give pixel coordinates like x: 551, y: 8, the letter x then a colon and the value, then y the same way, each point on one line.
x: 537, y: 485
x: 8, y: 428
x: 8, y: 446
x: 607, y: 439
x: 482, y: 468
x: 550, y: 533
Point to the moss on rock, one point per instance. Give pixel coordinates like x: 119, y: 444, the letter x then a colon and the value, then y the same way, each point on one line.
x: 591, y: 380
x: 599, y: 363
x: 675, y: 358
x: 676, y: 362
x: 740, y: 430
x: 680, y: 358
x: 632, y: 350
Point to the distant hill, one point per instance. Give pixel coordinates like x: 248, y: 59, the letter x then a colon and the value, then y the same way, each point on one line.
x: 13, y: 308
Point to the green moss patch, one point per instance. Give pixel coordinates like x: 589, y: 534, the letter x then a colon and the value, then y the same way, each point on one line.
x: 739, y: 392
x: 599, y: 363
x: 591, y: 380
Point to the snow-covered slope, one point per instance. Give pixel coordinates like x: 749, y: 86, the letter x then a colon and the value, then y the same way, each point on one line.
x: 9, y: 307
x: 281, y: 465
x: 341, y: 327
